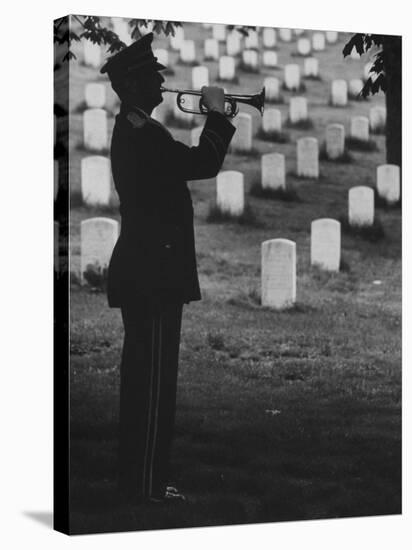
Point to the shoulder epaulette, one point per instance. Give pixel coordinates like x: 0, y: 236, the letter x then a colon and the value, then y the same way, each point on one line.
x: 137, y: 120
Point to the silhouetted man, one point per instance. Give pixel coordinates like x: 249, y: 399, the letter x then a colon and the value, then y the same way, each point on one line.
x: 153, y: 271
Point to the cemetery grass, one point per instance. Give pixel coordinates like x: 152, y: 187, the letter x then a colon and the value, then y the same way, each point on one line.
x: 280, y: 416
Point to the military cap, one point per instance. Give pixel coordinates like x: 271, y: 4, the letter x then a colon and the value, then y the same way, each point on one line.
x: 137, y: 56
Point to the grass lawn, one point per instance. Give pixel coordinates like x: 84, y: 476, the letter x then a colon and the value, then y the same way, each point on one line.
x: 281, y: 415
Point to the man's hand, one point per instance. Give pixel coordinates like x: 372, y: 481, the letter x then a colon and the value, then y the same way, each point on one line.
x: 213, y: 98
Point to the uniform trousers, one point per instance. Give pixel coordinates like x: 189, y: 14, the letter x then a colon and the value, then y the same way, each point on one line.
x: 148, y: 383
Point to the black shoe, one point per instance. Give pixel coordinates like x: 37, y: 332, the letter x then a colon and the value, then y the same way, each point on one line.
x: 171, y: 494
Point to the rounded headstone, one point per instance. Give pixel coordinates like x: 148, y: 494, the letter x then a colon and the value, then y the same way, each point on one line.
x: 308, y: 157
x: 242, y: 138
x: 335, y: 140
x: 177, y: 39
x: 97, y: 239
x: 226, y: 68
x: 318, y: 41
x: 230, y: 195
x: 388, y: 182
x: 331, y: 37
x: 285, y: 35
x: 355, y: 87
x: 325, y: 244
x: 200, y: 77
x: 95, y: 95
x: 273, y: 171
x: 92, y: 54
x: 95, y: 136
x: 359, y: 128
x: 311, y: 67
x: 269, y: 37
x: 339, y: 93
x: 377, y: 118
x: 298, y: 109
x: 188, y: 51
x: 272, y: 88
x: 270, y: 59
x: 211, y: 48
x: 292, y: 76
x: 233, y: 43
x: 219, y: 32
x: 250, y: 58
x: 252, y: 40
x: 95, y: 180
x: 303, y: 46
x: 278, y: 273
x: 272, y: 120
x: 361, y: 206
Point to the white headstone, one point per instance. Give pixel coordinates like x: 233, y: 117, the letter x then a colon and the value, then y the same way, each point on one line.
x: 311, y: 66
x: 303, y: 46
x: 325, y: 244
x: 270, y: 59
x: 278, y: 273
x: 335, y: 140
x: 269, y: 37
x: 200, y: 77
x: 177, y: 39
x: 96, y: 180
x: 359, y: 128
x: 318, y: 41
x: 95, y: 129
x: 272, y: 120
x: 332, y: 37
x: 292, y: 76
x: 195, y: 135
x: 95, y: 95
x: 355, y: 87
x: 219, y: 32
x: 233, y: 43
x: 272, y: 88
x: 377, y: 118
x: 162, y: 56
x: 298, y: 109
x: 242, y: 138
x: 230, y: 195
x: 388, y: 182
x: 308, y: 157
x: 250, y: 58
x: 361, y: 205
x: 188, y: 51
x: 339, y: 93
x: 56, y: 178
x: 285, y: 35
x: 226, y: 68
x: 97, y: 239
x: 252, y: 40
x: 121, y: 28
x: 211, y: 49
x: 273, y: 171
x: 92, y: 54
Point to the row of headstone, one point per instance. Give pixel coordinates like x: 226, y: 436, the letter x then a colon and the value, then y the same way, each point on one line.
x: 278, y: 262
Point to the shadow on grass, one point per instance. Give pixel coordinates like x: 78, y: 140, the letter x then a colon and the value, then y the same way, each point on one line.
x: 274, y: 101
x: 234, y: 80
x: 344, y: 158
x: 76, y: 201
x: 299, y: 89
x: 102, y: 152
x: 274, y: 136
x: 316, y: 77
x: 382, y: 203
x: 248, y: 217
x: 356, y: 144
x: 378, y: 130
x: 286, y: 194
x: 372, y: 233
x: 303, y: 124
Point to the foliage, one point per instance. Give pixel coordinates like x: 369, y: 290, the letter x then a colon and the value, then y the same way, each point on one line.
x: 363, y: 43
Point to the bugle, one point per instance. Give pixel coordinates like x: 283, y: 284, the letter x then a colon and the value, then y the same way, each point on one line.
x: 231, y: 101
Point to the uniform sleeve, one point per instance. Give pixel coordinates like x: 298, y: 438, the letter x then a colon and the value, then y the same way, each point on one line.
x: 200, y: 162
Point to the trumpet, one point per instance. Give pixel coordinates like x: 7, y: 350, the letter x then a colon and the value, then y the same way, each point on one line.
x: 231, y: 101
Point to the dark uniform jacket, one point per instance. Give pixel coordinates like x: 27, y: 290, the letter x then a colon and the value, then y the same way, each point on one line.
x: 155, y: 253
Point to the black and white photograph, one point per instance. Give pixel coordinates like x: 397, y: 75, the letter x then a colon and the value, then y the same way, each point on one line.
x: 228, y: 270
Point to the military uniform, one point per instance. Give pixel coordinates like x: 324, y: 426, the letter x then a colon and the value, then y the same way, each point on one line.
x: 151, y: 274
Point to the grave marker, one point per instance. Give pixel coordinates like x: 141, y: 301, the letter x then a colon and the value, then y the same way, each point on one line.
x: 361, y: 206
x: 242, y: 138
x: 95, y: 180
x: 278, y: 273
x: 359, y: 128
x: 308, y: 157
x: 339, y: 91
x: 95, y: 95
x: 298, y: 109
x: 97, y: 239
x: 335, y: 140
x: 273, y: 171
x: 388, y: 182
x: 95, y: 129
x: 292, y: 76
x: 325, y: 244
x: 230, y: 196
